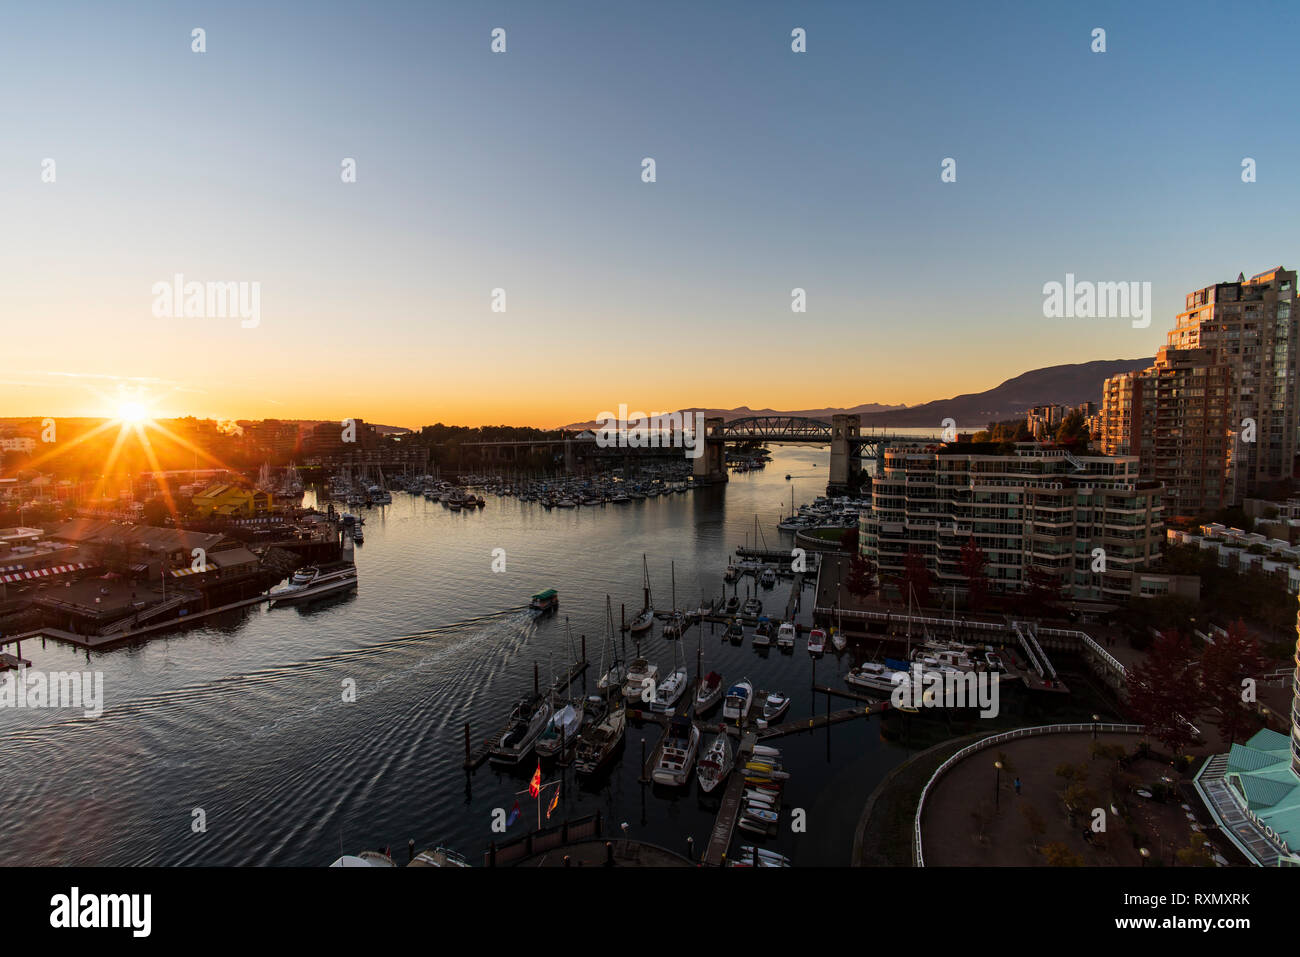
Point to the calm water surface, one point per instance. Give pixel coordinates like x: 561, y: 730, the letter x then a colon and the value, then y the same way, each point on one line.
x: 245, y: 719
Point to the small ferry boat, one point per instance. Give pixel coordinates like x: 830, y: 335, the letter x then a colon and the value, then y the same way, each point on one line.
x: 314, y: 581
x: 678, y: 755
x: 739, y: 697
x: 545, y: 600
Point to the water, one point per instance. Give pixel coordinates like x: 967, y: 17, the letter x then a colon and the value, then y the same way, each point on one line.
x: 245, y: 719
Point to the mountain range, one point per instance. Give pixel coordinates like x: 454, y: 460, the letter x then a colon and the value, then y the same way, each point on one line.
x: 1070, y: 384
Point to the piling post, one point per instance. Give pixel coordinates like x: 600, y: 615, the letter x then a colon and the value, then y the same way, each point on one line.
x: 536, y: 685
x: 690, y: 849
x: 609, y: 853
x: 755, y: 853
x: 467, y: 750
x: 584, y: 648
x: 410, y: 850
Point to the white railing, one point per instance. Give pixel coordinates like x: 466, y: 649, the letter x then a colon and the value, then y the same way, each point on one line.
x: 918, y: 855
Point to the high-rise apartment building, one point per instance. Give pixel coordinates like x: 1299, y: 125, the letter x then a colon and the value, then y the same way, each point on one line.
x: 1216, y: 418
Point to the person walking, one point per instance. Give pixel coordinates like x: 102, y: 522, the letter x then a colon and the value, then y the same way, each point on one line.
x: 1016, y: 785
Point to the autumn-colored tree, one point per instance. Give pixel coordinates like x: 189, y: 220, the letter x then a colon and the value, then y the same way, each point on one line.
x: 861, y: 579
x: 1225, y: 664
x: 973, y: 561
x: 916, y: 577
x: 849, y: 541
x: 1042, y: 592
x: 1163, y: 691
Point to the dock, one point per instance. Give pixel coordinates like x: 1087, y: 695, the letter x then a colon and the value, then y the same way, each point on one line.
x: 8, y: 661
x: 724, y: 827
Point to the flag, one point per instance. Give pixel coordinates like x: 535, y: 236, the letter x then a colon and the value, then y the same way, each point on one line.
x: 535, y: 785
x: 555, y: 801
x: 514, y: 815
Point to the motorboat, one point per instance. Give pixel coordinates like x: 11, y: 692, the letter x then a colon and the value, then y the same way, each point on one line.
x: 715, y: 764
x: 764, y: 633
x: 767, y: 578
x: 775, y: 707
x: 438, y: 857
x: 733, y: 605
x: 709, y: 693
x: 753, y: 607
x: 639, y: 675
x: 527, y: 722
x: 314, y: 581
x: 669, y: 691
x: 873, y: 676
x: 735, y: 632
x: 816, y: 641
x: 785, y: 635
x: 678, y: 755
x: 739, y: 698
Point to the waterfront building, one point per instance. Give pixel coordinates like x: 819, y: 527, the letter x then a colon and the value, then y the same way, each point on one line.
x: 1033, y: 507
x: 231, y: 501
x: 1239, y: 550
x: 1253, y: 790
x: 1216, y: 418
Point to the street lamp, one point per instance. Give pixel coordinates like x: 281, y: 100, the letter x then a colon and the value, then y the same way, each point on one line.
x: 1145, y: 855
x: 1095, y: 719
x: 997, y: 784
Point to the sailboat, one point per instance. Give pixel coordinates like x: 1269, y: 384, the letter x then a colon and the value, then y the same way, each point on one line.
x: 646, y: 619
x: 600, y: 739
x: 676, y: 623
x: 671, y: 689
x: 716, y: 763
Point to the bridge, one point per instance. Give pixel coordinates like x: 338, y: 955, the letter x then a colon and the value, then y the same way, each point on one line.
x: 843, y: 433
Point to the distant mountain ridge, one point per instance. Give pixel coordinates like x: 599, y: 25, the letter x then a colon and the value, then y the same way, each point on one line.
x: 1069, y: 384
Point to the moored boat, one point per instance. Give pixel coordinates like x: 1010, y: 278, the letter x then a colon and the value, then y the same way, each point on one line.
x: 678, y: 754
x: 715, y: 763
x: 739, y: 698
x: 709, y: 693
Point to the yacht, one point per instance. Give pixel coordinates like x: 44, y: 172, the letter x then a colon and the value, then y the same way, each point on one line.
x: 775, y: 706
x: 680, y: 746
x: 785, y: 636
x: 669, y: 691
x: 753, y: 607
x: 639, y: 673
x: 600, y: 739
x: 873, y: 676
x: 561, y: 731
x: 739, y: 697
x: 527, y: 721
x: 314, y: 581
x: 716, y: 762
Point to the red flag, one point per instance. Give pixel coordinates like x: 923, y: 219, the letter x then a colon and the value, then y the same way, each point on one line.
x: 554, y: 802
x: 535, y: 785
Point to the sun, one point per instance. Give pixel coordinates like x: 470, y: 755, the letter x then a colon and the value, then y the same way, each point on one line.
x: 131, y: 413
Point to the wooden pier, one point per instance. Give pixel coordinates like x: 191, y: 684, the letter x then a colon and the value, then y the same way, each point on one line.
x: 724, y: 827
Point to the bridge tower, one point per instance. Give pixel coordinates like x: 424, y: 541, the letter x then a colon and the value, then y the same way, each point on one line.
x: 845, y: 431
x: 711, y: 466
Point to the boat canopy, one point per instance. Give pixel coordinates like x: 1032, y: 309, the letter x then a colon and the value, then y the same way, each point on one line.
x: 545, y: 595
x: 568, y: 719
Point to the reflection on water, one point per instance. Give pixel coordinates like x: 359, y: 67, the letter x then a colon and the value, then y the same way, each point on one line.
x: 245, y: 718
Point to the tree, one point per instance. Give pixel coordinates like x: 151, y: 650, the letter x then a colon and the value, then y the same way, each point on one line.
x: 861, y: 580
x: 973, y: 561
x: 849, y: 541
x: 1224, y: 665
x: 1073, y: 431
x: 915, y: 577
x: 1043, y: 591
x: 1163, y: 691
x: 1058, y: 855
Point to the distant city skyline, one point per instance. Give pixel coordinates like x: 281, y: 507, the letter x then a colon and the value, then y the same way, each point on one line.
x: 522, y: 171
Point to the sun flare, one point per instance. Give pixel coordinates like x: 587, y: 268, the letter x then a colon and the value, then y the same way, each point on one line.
x: 131, y: 413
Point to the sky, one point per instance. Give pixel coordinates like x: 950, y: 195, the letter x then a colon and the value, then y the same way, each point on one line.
x: 522, y: 171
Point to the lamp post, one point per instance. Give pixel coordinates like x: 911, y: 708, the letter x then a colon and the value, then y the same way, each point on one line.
x: 1145, y: 855
x: 1095, y: 719
x: 997, y: 785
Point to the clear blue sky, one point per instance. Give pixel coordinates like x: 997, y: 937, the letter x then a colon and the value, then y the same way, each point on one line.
x: 522, y: 170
